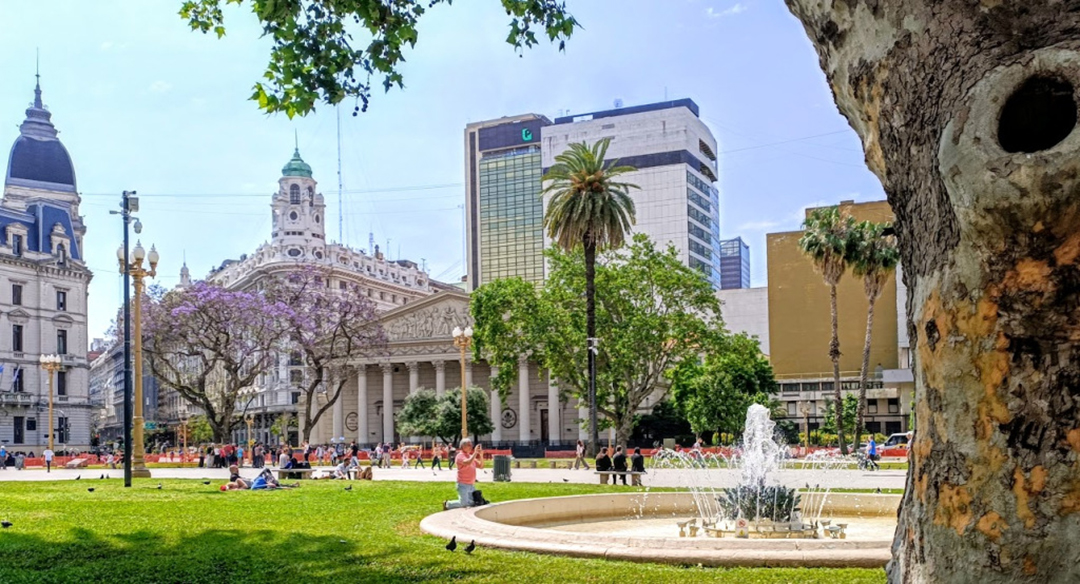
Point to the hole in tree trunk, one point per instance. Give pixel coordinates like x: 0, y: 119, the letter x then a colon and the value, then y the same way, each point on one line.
x: 1038, y: 115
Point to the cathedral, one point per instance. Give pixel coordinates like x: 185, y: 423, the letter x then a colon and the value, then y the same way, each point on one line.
x: 43, y: 287
x: 418, y: 315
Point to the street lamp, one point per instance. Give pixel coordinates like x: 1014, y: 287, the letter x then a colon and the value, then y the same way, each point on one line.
x: 129, y: 203
x: 462, y: 340
x: 804, y: 408
x: 135, y: 269
x: 51, y: 364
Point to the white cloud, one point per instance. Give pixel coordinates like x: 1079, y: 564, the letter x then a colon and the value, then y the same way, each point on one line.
x: 757, y: 225
x: 738, y: 8
x: 106, y: 45
x: 160, y: 87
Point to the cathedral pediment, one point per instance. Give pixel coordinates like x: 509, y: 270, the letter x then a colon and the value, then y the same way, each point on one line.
x: 431, y: 318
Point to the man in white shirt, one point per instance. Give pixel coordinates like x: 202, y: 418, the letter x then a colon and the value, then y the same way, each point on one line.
x: 48, y: 454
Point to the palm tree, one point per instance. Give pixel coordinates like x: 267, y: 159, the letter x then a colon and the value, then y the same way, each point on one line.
x: 874, y: 259
x: 588, y: 207
x: 827, y: 242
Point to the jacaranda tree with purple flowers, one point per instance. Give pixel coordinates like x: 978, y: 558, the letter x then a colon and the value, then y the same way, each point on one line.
x: 329, y: 324
x: 209, y: 343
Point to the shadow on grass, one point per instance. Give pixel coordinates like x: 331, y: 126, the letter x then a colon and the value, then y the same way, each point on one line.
x: 211, y: 556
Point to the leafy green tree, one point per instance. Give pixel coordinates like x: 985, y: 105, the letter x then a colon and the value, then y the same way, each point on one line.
x: 849, y: 415
x: 426, y: 414
x: 318, y: 50
x: 282, y: 425
x: 588, y: 207
x: 715, y: 392
x: 874, y: 258
x: 827, y: 242
x: 665, y: 421
x: 659, y: 313
x: 199, y: 430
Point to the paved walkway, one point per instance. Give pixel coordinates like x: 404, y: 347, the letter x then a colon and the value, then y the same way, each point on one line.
x: 846, y: 479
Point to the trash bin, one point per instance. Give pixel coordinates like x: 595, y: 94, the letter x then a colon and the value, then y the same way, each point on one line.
x: 501, y: 468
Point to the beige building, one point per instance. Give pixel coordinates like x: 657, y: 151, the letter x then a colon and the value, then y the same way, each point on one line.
x: 800, y: 331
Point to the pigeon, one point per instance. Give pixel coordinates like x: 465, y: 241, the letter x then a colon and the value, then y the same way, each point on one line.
x: 452, y: 545
x: 206, y: 482
x: 90, y: 490
x: 6, y: 524
x: 78, y: 477
x: 566, y: 480
x: 469, y: 548
x: 101, y: 478
x: 159, y: 486
x: 878, y: 491
x: 348, y: 488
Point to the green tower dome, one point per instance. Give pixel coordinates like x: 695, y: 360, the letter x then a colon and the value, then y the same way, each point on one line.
x: 296, y: 166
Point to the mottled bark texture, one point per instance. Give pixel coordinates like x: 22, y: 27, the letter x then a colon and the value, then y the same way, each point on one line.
x: 966, y: 110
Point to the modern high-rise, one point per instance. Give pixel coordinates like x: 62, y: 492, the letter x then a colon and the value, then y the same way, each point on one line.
x: 734, y: 264
x: 503, y: 210
x: 675, y: 156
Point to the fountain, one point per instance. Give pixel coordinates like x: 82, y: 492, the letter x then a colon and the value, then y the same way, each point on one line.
x: 739, y: 507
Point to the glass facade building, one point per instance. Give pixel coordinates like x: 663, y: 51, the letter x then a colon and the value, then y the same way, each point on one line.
x: 504, y: 211
x: 511, y: 215
x: 734, y: 264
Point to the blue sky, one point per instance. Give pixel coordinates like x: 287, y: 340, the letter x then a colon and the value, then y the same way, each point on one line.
x: 143, y: 103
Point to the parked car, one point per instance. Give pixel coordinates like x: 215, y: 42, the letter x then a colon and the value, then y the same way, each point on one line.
x: 899, y: 440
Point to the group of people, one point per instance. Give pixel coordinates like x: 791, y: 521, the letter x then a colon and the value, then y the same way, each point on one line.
x: 606, y: 461
x: 412, y: 456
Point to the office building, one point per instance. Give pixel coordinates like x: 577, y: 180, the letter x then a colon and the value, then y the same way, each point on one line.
x: 503, y: 209
x: 675, y: 156
x: 734, y: 264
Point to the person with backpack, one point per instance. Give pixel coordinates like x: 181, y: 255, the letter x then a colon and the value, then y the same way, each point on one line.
x: 468, y: 460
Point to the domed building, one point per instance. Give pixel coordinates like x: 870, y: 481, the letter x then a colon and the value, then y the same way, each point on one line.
x: 43, y: 291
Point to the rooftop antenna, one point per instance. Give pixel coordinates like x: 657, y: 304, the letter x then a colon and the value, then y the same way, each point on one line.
x: 296, y: 139
x: 423, y: 265
x: 37, y: 78
x: 341, y: 208
x: 371, y: 242
x: 388, y: 248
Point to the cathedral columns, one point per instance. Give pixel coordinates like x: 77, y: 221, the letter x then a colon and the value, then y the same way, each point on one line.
x: 362, y: 436
x: 388, y: 401
x: 495, y: 406
x: 339, y: 409
x: 523, y: 400
x: 440, y: 377
x: 414, y: 376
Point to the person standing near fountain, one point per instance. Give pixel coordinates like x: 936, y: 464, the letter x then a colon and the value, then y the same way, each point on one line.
x: 467, y: 461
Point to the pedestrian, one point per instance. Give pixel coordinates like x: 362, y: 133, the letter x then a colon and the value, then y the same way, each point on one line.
x: 580, y: 456
x: 603, y: 465
x: 48, y: 455
x: 419, y: 453
x: 872, y: 454
x: 436, y: 459
x: 637, y: 465
x: 3, y: 457
x: 451, y: 455
x: 619, y: 464
x: 468, y: 460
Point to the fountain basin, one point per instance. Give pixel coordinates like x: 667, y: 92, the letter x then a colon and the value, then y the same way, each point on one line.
x: 643, y: 527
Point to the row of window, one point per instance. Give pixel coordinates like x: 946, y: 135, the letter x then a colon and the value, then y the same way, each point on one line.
x: 701, y: 250
x: 892, y: 407
x: 810, y: 386
x: 17, y: 340
x: 17, y: 297
x: 699, y: 233
x: 18, y: 384
x: 22, y: 425
x: 697, y: 182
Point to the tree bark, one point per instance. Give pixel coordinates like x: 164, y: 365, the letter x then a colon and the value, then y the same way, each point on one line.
x: 989, y: 234
x: 860, y: 416
x: 590, y: 328
x: 834, y: 355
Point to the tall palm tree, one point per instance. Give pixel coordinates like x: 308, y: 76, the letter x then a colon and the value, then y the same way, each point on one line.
x: 588, y: 207
x: 827, y: 242
x: 874, y: 259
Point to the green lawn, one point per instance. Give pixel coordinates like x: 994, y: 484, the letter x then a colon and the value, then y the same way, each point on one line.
x: 192, y: 533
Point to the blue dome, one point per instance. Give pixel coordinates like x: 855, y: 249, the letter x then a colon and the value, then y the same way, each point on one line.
x: 38, y: 156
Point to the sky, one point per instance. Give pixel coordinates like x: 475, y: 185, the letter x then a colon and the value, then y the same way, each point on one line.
x: 143, y: 103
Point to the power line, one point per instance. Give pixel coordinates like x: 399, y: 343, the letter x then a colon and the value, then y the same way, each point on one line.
x: 348, y: 192
x: 782, y: 142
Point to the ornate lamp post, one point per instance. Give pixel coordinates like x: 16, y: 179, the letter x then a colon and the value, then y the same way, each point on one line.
x: 250, y: 419
x: 462, y: 340
x: 137, y: 272
x: 51, y: 364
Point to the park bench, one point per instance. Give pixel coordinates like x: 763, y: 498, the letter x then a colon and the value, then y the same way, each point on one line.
x: 607, y: 475
x: 77, y: 463
x: 293, y: 473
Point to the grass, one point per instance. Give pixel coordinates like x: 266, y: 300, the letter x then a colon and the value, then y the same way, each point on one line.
x: 192, y: 533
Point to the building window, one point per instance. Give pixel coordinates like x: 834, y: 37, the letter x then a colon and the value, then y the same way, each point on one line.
x: 871, y: 406
x: 17, y: 381
x: 61, y: 342
x: 294, y: 195
x: 61, y: 300
x: 62, y: 430
x: 295, y: 359
x: 61, y: 383
x: 16, y: 338
x: 295, y: 397
x: 19, y: 437
x: 16, y: 294
x: 342, y: 285
x: 791, y: 409
x: 894, y: 406
x: 16, y: 245
x: 296, y: 376
x: 31, y: 424
x: 61, y: 252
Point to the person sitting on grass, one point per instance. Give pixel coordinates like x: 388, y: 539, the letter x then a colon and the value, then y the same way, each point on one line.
x: 467, y: 461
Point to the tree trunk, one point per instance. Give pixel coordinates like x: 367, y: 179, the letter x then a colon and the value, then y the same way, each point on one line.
x: 834, y: 355
x: 590, y: 328
x: 967, y: 113
x: 860, y: 415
